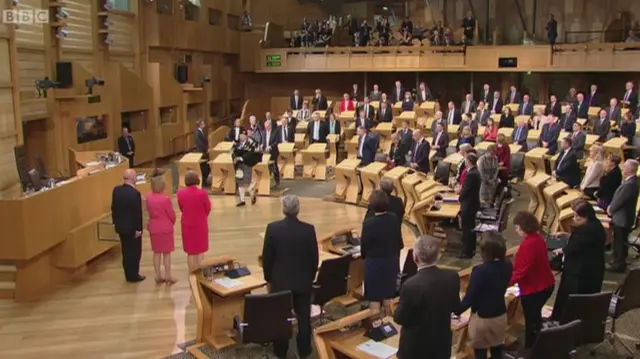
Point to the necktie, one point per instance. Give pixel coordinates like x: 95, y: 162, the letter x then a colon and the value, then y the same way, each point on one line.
x: 451, y: 117
x: 518, y: 133
x: 316, y: 135
x: 438, y: 138
x: 513, y: 97
x: 626, y: 96
x: 284, y: 135
x: 128, y: 143
x: 575, y: 134
x: 495, y: 103
x: 591, y: 99
x: 466, y: 108
x: 333, y: 127
x: 611, y: 113
x: 564, y: 154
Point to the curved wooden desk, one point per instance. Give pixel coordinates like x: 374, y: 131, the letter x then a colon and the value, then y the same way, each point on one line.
x: 406, y: 115
x: 315, y: 161
x: 615, y: 146
x: 370, y: 177
x: 384, y: 130
x: 347, y: 181
x: 261, y: 176
x: 409, y: 184
x: 223, y: 177
x: 534, y: 162
x: 286, y: 160
x: 332, y: 141
x: 535, y: 186
x: 188, y: 162
x: 220, y: 148
x: 551, y: 193
x: 396, y: 175
x: 352, y: 147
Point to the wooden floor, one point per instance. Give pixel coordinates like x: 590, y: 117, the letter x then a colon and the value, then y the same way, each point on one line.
x: 102, y: 316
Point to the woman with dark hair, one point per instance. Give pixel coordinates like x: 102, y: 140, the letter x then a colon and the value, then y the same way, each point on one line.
x: 381, y: 243
x: 506, y: 119
x: 583, y: 265
x: 485, y: 296
x: 246, y: 154
x: 195, y: 206
x: 609, y: 182
x: 532, y: 273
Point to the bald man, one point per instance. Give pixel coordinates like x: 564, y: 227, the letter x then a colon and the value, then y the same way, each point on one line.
x: 126, y: 215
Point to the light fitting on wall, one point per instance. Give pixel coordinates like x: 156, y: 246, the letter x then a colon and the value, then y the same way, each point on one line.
x: 43, y: 85
x: 16, y: 2
x: 204, y: 80
x: 62, y: 14
x: 109, y: 4
x: 109, y: 39
x: 108, y: 23
x: 90, y: 83
x: 62, y: 33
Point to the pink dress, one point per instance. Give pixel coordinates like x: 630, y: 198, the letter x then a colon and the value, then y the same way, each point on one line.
x: 195, y: 206
x: 161, y: 221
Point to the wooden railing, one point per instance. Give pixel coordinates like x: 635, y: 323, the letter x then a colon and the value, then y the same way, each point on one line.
x: 375, y: 50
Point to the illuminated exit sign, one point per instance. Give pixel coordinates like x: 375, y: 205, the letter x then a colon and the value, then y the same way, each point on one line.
x: 274, y: 60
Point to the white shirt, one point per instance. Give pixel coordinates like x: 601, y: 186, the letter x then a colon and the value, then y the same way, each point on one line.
x: 284, y: 134
x: 513, y: 96
x: 424, y: 95
x: 450, y: 120
x: 466, y: 107
x: 296, y: 102
x: 398, y: 91
x: 415, y: 151
x: 237, y: 135
x: 564, y: 154
x: 332, y: 127
x: 361, y: 146
x: 316, y: 130
x: 366, y: 111
x: 437, y: 139
x: 495, y: 103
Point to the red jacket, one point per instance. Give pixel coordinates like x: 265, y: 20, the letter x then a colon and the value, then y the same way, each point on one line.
x: 531, y: 270
x: 504, y: 156
x: 346, y: 106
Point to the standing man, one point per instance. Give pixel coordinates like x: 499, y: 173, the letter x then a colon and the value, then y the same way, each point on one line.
x: 420, y: 153
x: 623, y: 215
x: 469, y: 205
x: 552, y: 30
x: 126, y: 215
x: 126, y: 146
x: 426, y: 302
x: 290, y: 262
x: 317, y: 130
x: 366, y: 146
x: 202, y: 146
x: 296, y: 101
x: 271, y: 141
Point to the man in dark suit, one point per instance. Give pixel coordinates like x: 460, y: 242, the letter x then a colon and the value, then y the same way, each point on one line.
x: 468, y: 105
x: 362, y: 120
x: 319, y: 101
x: 427, y: 300
x: 549, y: 135
x: 406, y: 137
x: 355, y: 93
x: 295, y: 102
x: 623, y: 215
x: 272, y: 139
x: 567, y: 168
x: 485, y: 94
x: 630, y: 98
x: 202, y: 146
x: 235, y: 131
x: 126, y: 216
x: 385, y: 114
x: 519, y: 135
x: 601, y: 127
x: 367, y: 146
x: 290, y: 262
x: 317, y: 130
x: 126, y: 146
x: 369, y: 111
x: 469, y: 199
x: 578, y: 140
x: 525, y: 108
x: 440, y: 142
x: 514, y: 95
x: 495, y: 103
x: 582, y: 107
x: 568, y: 118
x: 375, y: 94
x: 424, y: 94
x: 274, y: 122
x: 468, y: 122
x: 396, y: 206
x: 285, y: 132
x: 482, y: 114
x: 333, y: 126
x: 553, y: 107
x: 420, y: 153
x: 613, y: 112
x: 594, y: 98
x: 397, y: 94
x: 453, y: 117
x: 552, y: 30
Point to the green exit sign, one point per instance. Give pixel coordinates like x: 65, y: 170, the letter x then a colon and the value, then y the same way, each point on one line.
x: 274, y: 63
x: 274, y: 58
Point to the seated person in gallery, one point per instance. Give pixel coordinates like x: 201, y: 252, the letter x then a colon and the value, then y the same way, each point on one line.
x: 520, y: 134
x: 385, y: 114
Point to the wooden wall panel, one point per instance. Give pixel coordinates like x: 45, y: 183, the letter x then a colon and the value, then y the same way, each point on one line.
x: 31, y: 67
x: 4, y: 29
x: 30, y: 35
x: 128, y: 61
x: 5, y: 71
x: 123, y: 31
x: 79, y: 24
x: 8, y: 171
x: 81, y: 58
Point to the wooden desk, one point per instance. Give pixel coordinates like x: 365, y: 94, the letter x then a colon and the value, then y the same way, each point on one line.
x: 370, y: 177
x: 384, y: 130
x: 189, y: 162
x: 261, y: 177
x: 216, y: 305
x: 396, y: 175
x: 53, y: 234
x: 409, y: 184
x: 300, y: 140
x: 534, y: 162
x: 453, y: 159
x: 223, y: 174
x: 452, y: 131
x: 406, y: 115
x: 349, y: 130
x: 507, y: 132
x: 590, y: 140
x: 347, y: 180
x: 551, y: 193
x: 534, y: 135
x: 302, y: 126
x: 352, y: 147
x: 286, y: 160
x: 615, y: 146
x: 145, y: 187
x: 333, y: 141
x: 346, y: 117
x: 220, y: 148
x: 315, y: 162
x: 535, y: 186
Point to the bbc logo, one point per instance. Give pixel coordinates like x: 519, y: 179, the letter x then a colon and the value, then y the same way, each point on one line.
x: 36, y: 16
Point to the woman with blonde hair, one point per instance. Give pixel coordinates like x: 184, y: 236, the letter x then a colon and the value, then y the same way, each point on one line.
x: 195, y: 205
x: 162, y: 218
x: 539, y: 119
x: 591, y: 181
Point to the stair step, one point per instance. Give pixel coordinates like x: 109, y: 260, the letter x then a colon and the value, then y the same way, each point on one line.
x: 8, y: 268
x: 7, y: 294
x: 7, y: 276
x: 7, y: 286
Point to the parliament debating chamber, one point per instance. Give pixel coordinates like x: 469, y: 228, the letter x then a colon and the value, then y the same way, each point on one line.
x: 489, y: 124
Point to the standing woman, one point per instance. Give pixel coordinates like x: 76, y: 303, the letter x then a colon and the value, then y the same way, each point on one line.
x: 485, y: 296
x: 609, y: 182
x: 195, y: 206
x: 506, y: 119
x: 532, y: 273
x: 381, y: 243
x: 491, y: 131
x: 488, y: 167
x: 245, y: 155
x: 591, y: 180
x: 162, y: 217
x: 583, y: 264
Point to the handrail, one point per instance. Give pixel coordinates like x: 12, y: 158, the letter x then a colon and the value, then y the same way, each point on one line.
x: 185, y: 136
x: 611, y: 46
x: 374, y: 49
x: 590, y: 32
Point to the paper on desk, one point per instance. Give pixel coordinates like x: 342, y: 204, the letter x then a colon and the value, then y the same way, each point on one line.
x: 92, y: 163
x: 228, y: 282
x: 377, y: 349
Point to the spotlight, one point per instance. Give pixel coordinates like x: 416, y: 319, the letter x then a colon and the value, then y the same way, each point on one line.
x: 44, y: 84
x: 109, y: 39
x: 90, y: 83
x: 62, y: 14
x: 62, y: 33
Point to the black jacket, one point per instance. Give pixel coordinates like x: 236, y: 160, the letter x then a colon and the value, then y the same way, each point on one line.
x: 609, y: 183
x: 125, y: 148
x: 427, y: 300
x: 396, y: 206
x: 202, y: 143
x: 290, y: 255
x: 470, y: 193
x: 381, y: 236
x: 126, y: 210
x: 567, y: 168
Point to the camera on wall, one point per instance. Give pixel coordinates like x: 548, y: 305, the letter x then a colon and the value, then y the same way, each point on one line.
x: 62, y: 14
x: 43, y: 85
x: 204, y: 80
x: 90, y: 83
x: 109, y: 39
x: 109, y: 4
x: 62, y: 33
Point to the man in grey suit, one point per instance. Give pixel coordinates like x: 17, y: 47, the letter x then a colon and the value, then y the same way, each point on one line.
x: 436, y: 120
x: 202, y: 146
x: 578, y: 139
x: 482, y: 114
x: 520, y: 134
x: 623, y: 215
x: 613, y: 112
x: 468, y: 105
x: 375, y: 95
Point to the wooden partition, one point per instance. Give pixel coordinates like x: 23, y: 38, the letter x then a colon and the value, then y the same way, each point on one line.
x: 168, y: 97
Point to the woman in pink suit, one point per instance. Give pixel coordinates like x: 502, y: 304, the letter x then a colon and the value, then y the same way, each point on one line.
x: 161, y: 220
x: 195, y: 206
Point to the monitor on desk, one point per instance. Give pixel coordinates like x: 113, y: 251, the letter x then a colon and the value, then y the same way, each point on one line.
x: 35, y: 180
x: 42, y: 170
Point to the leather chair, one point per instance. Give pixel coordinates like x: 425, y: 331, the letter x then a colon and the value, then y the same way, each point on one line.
x: 554, y: 342
x: 592, y: 310
x: 267, y: 318
x: 331, y: 281
x: 495, y: 223
x: 442, y: 172
x: 625, y: 298
x: 517, y: 170
x: 409, y: 269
